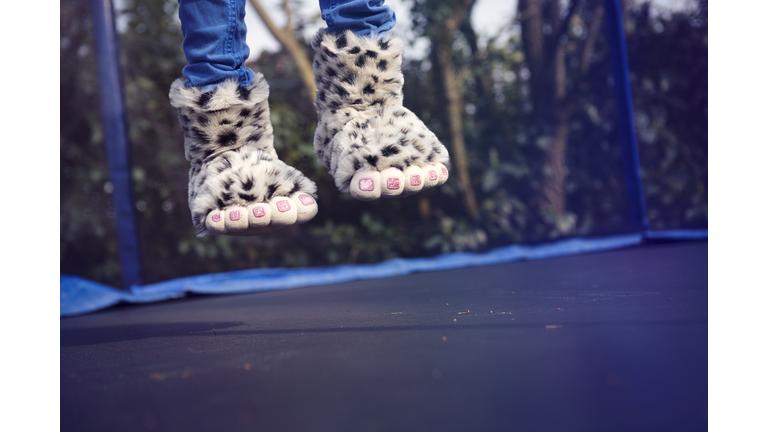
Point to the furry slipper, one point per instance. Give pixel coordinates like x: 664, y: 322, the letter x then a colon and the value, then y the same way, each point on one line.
x: 237, y: 185
x: 370, y: 143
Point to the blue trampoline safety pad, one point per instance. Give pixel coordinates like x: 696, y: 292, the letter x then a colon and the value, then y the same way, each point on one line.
x: 79, y: 296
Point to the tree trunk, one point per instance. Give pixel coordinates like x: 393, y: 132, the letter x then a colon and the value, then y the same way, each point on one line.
x: 482, y: 75
x: 589, y: 44
x: 534, y: 47
x: 441, y: 36
x: 289, y: 42
x: 554, y: 182
x: 545, y: 57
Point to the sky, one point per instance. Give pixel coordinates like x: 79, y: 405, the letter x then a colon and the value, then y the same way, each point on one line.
x: 488, y: 18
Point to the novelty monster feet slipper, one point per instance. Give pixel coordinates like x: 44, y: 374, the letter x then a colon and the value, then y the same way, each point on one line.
x: 237, y: 185
x: 371, y: 145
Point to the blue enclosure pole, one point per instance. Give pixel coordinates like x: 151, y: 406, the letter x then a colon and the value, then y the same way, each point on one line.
x: 630, y: 156
x: 115, y: 137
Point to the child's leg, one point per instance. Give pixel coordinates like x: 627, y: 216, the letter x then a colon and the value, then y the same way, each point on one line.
x: 214, y: 42
x: 237, y: 185
x: 362, y: 17
x: 369, y: 142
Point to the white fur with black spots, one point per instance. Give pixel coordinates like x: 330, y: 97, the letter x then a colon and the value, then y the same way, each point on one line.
x: 237, y: 184
x: 371, y: 145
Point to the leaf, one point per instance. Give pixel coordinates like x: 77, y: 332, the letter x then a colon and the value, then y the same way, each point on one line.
x: 491, y: 179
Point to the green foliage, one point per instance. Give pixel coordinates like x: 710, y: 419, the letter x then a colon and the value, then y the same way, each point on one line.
x: 669, y: 87
x: 88, y: 243
x: 506, y: 147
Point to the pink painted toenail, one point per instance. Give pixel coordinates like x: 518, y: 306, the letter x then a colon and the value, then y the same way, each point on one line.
x: 415, y: 180
x: 216, y: 217
x: 306, y: 199
x: 393, y: 183
x: 366, y: 184
x: 432, y: 175
x: 444, y: 170
x: 259, y: 212
x: 234, y: 215
x: 283, y: 206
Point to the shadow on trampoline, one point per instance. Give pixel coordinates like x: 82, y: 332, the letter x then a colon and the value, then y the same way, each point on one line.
x: 107, y: 334
x: 453, y: 328
x: 110, y: 334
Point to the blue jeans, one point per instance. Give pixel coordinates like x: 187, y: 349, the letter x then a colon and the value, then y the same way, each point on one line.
x: 214, y: 34
x: 363, y: 17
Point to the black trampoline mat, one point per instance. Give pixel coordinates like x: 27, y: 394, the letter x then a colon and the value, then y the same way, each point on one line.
x: 628, y: 352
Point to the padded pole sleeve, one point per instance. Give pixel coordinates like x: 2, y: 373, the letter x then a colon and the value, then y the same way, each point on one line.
x: 630, y: 156
x: 116, y: 139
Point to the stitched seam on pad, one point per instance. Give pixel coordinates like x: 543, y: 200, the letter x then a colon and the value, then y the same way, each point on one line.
x: 232, y: 28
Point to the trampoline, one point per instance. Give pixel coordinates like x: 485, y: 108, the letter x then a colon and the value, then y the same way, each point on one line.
x: 583, y: 334
x: 613, y: 340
